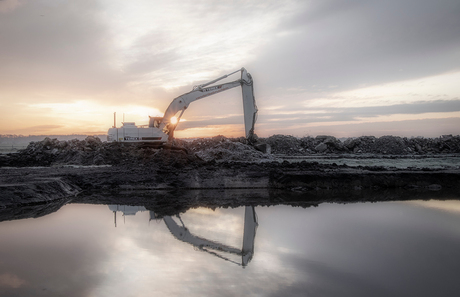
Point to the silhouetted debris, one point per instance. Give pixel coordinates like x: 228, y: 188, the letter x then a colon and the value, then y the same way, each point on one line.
x: 221, y: 148
x: 92, y: 151
x: 385, y: 145
x: 219, y: 163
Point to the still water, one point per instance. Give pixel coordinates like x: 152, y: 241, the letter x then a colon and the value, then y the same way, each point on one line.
x: 362, y: 249
x: 434, y: 162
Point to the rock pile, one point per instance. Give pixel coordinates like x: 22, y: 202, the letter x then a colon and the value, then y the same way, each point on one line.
x: 92, y: 151
x: 385, y: 145
x: 221, y: 148
x: 49, y: 151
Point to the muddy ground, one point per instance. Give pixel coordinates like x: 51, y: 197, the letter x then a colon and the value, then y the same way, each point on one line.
x: 220, y: 171
x: 93, y: 151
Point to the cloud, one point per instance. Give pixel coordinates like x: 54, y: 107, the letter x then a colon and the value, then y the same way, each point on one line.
x: 114, y: 53
x: 149, y: 62
x: 418, y: 107
x: 7, y: 6
x: 50, y: 46
x: 11, y: 281
x: 230, y: 120
x: 311, y: 115
x: 426, y: 127
x: 362, y: 42
x: 39, y: 128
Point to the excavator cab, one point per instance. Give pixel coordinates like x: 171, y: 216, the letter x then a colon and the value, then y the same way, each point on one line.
x: 155, y: 121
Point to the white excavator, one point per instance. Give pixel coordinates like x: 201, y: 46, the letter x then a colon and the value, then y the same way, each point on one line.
x: 178, y: 229
x: 161, y: 129
x: 246, y: 252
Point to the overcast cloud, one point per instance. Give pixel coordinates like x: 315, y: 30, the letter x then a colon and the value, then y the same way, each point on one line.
x: 120, y: 55
x: 351, y: 43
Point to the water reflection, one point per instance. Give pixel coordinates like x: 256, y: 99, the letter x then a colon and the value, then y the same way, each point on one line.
x: 126, y: 210
x: 178, y: 229
x: 31, y: 211
x: 361, y: 249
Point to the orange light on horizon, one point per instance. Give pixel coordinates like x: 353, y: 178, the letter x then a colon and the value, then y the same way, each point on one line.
x: 210, y: 131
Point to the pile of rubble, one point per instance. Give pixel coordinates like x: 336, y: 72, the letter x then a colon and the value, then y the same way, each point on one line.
x: 385, y: 145
x: 49, y: 151
x: 221, y: 148
x: 92, y: 151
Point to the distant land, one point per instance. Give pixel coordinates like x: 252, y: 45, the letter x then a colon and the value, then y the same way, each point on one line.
x: 19, y: 141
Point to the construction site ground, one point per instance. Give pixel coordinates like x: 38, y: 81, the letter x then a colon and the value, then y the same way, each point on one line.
x: 227, y: 172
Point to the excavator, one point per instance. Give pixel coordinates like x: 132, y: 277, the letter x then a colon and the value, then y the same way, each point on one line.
x: 178, y: 229
x: 161, y: 129
x: 246, y: 252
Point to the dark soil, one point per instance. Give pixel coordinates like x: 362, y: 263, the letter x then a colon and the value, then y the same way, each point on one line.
x: 92, y: 151
x: 191, y: 175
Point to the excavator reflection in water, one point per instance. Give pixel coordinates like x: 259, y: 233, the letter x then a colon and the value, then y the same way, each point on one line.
x: 182, y: 233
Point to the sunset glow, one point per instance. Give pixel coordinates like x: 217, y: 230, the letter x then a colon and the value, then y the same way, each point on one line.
x: 68, y: 66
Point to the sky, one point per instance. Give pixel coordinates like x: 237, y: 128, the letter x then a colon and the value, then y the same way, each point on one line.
x: 341, y: 68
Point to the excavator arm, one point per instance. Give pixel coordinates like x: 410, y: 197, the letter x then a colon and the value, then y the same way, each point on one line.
x: 182, y: 102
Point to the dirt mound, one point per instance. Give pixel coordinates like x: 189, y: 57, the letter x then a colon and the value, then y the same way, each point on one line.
x: 49, y: 151
x: 92, y: 151
x: 221, y: 148
x: 290, y: 145
x: 385, y: 145
x: 393, y: 145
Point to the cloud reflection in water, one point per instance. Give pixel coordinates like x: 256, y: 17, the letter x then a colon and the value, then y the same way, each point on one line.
x: 364, y: 249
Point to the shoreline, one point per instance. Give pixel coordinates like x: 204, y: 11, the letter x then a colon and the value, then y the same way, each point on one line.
x: 51, y: 170
x: 26, y: 186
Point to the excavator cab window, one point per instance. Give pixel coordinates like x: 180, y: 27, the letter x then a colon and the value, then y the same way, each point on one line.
x: 155, y: 121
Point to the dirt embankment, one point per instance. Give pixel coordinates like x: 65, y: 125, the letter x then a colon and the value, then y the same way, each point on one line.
x: 216, y: 163
x: 385, y: 145
x: 92, y: 151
